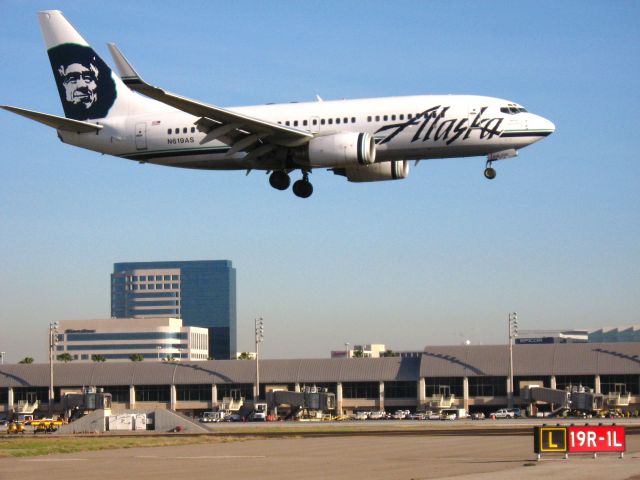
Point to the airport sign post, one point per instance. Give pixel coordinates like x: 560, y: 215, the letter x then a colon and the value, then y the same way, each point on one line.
x: 585, y: 439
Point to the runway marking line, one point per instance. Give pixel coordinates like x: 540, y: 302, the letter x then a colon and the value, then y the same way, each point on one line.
x: 54, y: 459
x: 208, y: 457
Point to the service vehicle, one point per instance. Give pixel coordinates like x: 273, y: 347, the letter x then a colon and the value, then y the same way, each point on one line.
x: 213, y: 417
x: 259, y: 413
x: 46, y: 425
x: 15, y: 427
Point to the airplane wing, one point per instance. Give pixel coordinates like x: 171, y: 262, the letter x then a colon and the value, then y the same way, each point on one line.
x: 240, y: 132
x: 59, y: 123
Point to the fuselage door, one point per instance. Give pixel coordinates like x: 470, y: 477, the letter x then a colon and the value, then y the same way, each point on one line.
x: 141, y: 136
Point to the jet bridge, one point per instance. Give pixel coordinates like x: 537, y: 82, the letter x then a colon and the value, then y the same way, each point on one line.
x: 578, y: 399
x: 312, y: 399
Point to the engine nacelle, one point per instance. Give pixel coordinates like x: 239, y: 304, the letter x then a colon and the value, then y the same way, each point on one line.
x: 395, y: 170
x: 339, y: 150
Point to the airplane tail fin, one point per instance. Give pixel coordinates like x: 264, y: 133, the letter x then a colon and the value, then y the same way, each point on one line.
x: 88, y: 88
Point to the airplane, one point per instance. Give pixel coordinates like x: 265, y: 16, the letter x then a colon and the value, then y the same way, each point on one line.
x: 364, y: 140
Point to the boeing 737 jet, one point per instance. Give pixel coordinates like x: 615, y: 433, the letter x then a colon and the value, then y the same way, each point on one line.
x: 363, y: 140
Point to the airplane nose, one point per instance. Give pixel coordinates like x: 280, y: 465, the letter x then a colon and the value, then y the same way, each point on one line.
x: 542, y: 125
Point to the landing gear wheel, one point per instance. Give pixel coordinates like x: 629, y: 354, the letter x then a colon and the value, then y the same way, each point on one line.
x: 489, y: 173
x: 303, y: 188
x: 279, y: 180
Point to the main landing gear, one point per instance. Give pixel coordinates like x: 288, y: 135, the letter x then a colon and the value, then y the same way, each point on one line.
x: 489, y: 172
x: 280, y: 180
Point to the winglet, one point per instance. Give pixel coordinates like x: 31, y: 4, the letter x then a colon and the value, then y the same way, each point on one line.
x: 127, y: 73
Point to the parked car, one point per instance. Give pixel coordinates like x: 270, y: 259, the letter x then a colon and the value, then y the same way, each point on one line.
x: 399, y: 415
x: 362, y: 415
x: 504, y: 413
x: 449, y: 414
x: 377, y: 415
x: 477, y: 416
x: 517, y: 413
x: 434, y: 416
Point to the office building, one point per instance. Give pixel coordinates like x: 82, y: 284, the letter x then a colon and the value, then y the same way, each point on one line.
x: 117, y: 339
x: 202, y: 293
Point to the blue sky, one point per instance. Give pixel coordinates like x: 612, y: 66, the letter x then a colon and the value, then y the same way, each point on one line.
x: 438, y: 258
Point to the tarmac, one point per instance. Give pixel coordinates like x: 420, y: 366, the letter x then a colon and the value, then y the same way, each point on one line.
x: 380, y: 456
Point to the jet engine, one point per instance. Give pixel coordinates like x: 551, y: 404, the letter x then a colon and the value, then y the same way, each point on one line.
x: 395, y: 170
x: 339, y: 150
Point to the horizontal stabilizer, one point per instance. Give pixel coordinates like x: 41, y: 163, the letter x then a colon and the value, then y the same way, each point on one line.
x: 59, y: 123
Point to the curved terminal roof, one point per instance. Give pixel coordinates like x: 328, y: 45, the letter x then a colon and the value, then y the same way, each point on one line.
x: 451, y: 361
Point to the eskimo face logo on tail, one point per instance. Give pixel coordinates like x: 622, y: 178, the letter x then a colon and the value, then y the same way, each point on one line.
x: 84, y: 81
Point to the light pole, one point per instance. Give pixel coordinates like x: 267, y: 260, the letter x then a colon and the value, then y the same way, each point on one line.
x: 513, y: 333
x: 53, y: 341
x: 259, y: 339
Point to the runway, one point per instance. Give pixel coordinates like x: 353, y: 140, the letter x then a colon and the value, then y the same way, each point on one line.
x: 376, y: 455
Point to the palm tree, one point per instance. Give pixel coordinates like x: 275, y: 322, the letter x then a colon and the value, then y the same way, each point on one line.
x: 64, y: 357
x: 245, y: 356
x: 358, y: 353
x: 98, y: 358
x: 389, y: 353
x: 136, y: 357
x: 26, y: 360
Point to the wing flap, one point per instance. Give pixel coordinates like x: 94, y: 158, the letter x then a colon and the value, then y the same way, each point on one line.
x: 59, y: 123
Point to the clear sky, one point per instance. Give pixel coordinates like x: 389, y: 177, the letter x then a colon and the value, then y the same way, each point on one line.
x: 438, y: 258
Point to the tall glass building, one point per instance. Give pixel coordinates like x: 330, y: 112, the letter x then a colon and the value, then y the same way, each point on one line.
x: 202, y: 293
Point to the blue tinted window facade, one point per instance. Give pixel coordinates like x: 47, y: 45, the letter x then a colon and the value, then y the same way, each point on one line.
x: 126, y: 346
x: 206, y: 293
x: 101, y: 337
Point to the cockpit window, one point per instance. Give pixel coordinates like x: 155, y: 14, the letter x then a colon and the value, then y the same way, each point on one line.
x: 512, y: 109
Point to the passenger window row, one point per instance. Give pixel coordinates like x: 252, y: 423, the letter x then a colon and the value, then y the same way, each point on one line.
x: 176, y: 131
x: 318, y: 121
x: 345, y: 120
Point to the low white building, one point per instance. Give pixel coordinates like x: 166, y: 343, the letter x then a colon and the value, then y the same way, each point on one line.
x: 372, y: 350
x: 116, y: 339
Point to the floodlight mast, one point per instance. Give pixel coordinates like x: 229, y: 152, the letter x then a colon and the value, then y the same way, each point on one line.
x: 259, y: 323
x: 53, y: 342
x: 513, y: 333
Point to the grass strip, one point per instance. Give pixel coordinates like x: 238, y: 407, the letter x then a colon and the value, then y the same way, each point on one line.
x: 37, y: 446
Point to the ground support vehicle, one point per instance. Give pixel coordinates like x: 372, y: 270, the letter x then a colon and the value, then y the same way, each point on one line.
x: 15, y: 427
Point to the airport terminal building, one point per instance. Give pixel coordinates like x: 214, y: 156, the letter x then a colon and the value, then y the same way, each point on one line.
x: 473, y: 377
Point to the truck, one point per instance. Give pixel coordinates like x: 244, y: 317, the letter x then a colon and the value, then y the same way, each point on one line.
x: 259, y: 413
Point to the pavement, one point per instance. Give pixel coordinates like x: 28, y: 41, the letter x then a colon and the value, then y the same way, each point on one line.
x: 385, y: 456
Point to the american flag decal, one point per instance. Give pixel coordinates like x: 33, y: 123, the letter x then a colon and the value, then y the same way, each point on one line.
x: 155, y: 122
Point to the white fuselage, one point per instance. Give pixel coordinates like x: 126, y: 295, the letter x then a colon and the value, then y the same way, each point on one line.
x: 405, y: 128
